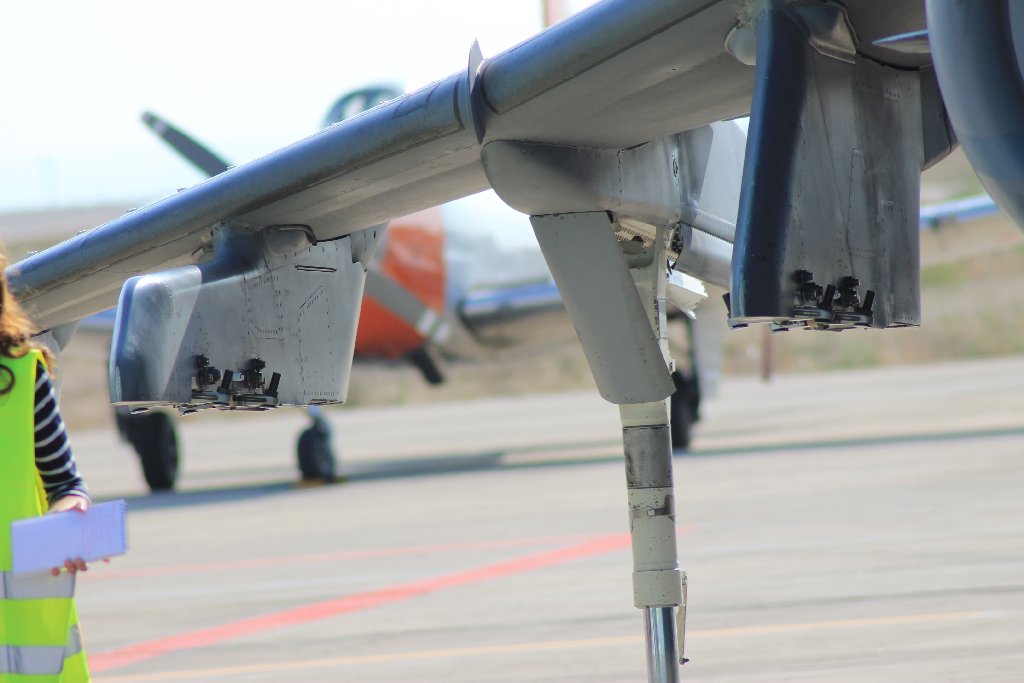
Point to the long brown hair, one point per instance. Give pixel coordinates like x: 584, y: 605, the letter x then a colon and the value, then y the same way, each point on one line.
x: 16, y: 331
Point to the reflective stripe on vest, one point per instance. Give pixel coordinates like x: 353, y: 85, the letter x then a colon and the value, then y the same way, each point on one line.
x: 36, y: 586
x: 39, y: 660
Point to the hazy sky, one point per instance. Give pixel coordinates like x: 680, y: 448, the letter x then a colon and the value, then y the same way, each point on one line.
x: 243, y: 77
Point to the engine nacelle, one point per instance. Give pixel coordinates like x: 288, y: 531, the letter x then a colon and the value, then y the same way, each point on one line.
x: 978, y: 49
x: 269, y: 320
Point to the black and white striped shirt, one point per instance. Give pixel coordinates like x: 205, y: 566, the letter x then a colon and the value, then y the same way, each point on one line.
x: 54, y: 459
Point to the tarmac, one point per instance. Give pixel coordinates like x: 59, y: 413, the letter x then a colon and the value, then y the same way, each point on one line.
x: 848, y: 526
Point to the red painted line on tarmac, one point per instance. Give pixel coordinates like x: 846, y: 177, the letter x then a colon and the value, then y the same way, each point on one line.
x: 106, y: 574
x: 132, y: 654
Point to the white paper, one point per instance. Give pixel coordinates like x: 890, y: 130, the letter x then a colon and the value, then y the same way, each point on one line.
x: 41, y: 543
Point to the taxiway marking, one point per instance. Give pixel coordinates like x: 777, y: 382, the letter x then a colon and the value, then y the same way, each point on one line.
x: 132, y: 654
x: 261, y: 562
x: 299, y: 665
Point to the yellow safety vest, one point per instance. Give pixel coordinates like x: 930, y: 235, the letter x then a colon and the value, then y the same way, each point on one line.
x: 40, y: 641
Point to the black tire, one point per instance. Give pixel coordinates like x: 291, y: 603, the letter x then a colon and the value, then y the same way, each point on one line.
x: 683, y: 410
x: 155, y: 440
x: 316, y: 458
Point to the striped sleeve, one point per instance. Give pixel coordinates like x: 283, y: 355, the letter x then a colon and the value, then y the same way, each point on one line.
x: 54, y: 459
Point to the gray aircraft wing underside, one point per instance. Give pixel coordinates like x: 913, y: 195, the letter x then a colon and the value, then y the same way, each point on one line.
x: 423, y: 149
x: 614, y: 116
x: 615, y: 76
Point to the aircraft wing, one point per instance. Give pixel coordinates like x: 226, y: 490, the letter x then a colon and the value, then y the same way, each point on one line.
x: 417, y: 151
x: 617, y: 75
x: 584, y: 117
x: 424, y: 148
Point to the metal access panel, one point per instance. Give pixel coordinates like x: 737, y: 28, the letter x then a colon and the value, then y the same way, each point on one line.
x: 827, y: 233
x: 270, y: 320
x: 604, y: 306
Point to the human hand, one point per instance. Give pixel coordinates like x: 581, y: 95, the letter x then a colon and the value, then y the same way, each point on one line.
x: 70, y: 502
x: 75, y: 565
x: 67, y: 504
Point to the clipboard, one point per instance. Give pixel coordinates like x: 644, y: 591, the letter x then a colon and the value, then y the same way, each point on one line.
x: 42, y: 543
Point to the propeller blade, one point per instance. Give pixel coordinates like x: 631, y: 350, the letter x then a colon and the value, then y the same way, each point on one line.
x: 196, y: 153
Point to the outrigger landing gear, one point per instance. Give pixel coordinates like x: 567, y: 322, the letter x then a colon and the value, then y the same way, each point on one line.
x: 637, y: 378
x: 608, y: 221
x: 659, y: 587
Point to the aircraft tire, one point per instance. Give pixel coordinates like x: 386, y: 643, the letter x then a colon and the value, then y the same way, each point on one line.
x: 316, y: 459
x: 682, y: 411
x: 155, y: 441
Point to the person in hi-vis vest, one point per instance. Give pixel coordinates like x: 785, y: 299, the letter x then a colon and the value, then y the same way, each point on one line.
x: 40, y: 641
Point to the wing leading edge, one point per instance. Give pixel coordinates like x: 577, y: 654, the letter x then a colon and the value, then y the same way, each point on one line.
x: 423, y: 149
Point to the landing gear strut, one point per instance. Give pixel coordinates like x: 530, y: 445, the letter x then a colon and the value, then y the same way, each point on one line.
x: 616, y: 299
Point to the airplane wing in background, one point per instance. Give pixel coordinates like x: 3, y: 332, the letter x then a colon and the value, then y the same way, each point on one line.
x: 513, y: 314
x: 958, y: 210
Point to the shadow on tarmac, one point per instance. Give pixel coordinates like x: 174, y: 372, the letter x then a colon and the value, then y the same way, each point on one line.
x: 350, y: 473
x: 867, y: 442
x: 514, y: 458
